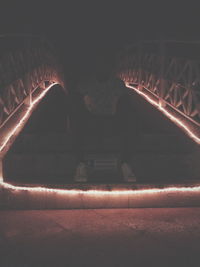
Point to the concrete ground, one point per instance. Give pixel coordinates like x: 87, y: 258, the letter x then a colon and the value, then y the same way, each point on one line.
x: 103, y: 237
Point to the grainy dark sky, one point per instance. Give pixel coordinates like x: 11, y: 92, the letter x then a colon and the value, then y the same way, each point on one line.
x: 82, y: 30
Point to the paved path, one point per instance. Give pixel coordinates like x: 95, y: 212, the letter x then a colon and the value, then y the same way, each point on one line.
x: 112, y: 237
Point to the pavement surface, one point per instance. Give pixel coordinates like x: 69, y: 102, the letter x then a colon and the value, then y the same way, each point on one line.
x: 103, y: 237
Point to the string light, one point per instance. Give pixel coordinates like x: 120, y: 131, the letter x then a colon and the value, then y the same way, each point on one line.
x: 99, y: 192
x: 103, y: 192
x: 169, y: 115
x: 26, y: 115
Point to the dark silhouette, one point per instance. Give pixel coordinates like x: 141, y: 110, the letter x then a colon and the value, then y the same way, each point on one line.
x: 100, y: 106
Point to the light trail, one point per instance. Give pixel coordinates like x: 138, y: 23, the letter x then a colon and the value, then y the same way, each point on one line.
x: 103, y: 192
x: 26, y: 115
x: 168, y: 114
x: 98, y: 192
x: 22, y: 121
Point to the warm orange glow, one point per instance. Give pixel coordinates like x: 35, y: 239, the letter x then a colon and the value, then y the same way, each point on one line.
x: 168, y: 114
x: 100, y: 192
x: 103, y: 192
x: 26, y: 115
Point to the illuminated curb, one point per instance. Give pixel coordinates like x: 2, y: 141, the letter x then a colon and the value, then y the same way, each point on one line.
x: 103, y: 192
x: 169, y: 115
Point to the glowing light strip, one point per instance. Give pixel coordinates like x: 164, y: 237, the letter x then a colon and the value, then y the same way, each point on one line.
x: 12, y: 132
x: 169, y: 115
x: 103, y: 192
x: 97, y: 192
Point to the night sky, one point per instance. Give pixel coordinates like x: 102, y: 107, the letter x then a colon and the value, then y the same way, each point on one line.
x: 85, y: 30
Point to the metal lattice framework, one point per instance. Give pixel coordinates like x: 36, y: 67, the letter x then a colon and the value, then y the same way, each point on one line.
x: 26, y: 63
x: 169, y: 70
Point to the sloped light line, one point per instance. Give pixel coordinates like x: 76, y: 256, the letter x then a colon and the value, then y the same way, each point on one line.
x: 26, y: 115
x: 168, y: 114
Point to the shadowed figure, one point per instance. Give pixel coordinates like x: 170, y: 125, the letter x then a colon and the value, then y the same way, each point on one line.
x: 100, y: 107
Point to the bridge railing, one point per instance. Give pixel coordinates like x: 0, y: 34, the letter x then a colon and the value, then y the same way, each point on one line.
x: 169, y: 70
x: 26, y: 62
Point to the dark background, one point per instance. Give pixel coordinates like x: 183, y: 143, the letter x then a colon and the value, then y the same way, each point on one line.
x: 83, y: 31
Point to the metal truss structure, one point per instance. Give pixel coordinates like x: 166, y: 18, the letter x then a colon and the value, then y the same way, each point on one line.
x: 169, y: 71
x: 26, y: 63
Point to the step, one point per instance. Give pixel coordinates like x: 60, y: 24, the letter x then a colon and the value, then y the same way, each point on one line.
x: 40, y: 167
x: 165, y: 167
x: 146, y: 166
x: 78, y: 196
x: 62, y: 143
